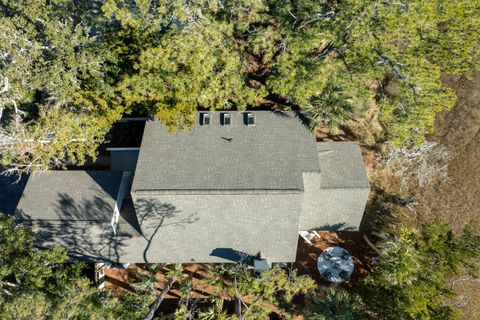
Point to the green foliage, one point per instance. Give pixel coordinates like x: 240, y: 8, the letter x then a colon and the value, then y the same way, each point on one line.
x: 257, y: 296
x: 331, y: 108
x: 96, y: 61
x: 388, y: 42
x: 56, y: 138
x: 409, y: 281
x: 148, y: 279
x: 399, y: 261
x: 404, y: 46
x: 181, y: 59
x: 335, y: 304
x: 22, y: 269
x: 40, y: 284
x: 165, y: 74
x: 47, y: 48
x: 55, y: 84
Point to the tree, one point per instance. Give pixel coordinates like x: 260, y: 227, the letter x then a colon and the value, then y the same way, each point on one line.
x: 148, y: 278
x: 54, y: 82
x: 41, y: 284
x: 331, y: 108
x: 335, y: 304
x: 254, y: 297
x: 174, y: 274
x: 94, y: 61
x: 55, y: 139
x: 180, y: 59
x: 409, y: 281
x: 403, y: 46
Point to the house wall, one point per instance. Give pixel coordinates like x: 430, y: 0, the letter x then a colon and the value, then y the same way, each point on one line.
x: 208, y: 228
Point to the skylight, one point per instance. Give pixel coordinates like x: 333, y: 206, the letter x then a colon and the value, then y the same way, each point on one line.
x: 225, y: 119
x: 204, y: 119
x: 249, y: 119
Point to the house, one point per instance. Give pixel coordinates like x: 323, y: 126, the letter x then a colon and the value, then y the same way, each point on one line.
x: 236, y: 185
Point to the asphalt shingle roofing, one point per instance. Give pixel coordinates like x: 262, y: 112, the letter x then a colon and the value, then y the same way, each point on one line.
x: 201, y: 194
x: 269, y: 156
x: 70, y: 196
x: 341, y: 165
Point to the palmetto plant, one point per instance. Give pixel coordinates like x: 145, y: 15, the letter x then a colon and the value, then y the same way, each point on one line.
x: 335, y: 304
x: 332, y: 108
x: 400, y: 260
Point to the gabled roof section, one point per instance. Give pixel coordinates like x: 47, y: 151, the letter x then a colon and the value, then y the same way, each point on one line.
x: 341, y: 165
x: 268, y: 157
x: 70, y: 196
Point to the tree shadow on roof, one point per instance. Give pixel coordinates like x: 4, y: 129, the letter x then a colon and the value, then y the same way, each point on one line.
x: 94, y: 209
x: 108, y: 181
x: 152, y: 214
x: 84, y: 229
x: 301, y: 116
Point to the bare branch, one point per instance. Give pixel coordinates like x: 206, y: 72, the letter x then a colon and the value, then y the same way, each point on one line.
x: 423, y: 164
x: 316, y: 17
x: 6, y: 85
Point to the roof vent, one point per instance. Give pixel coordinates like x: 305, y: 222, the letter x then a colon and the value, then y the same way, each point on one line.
x: 249, y: 119
x: 225, y: 119
x: 204, y: 119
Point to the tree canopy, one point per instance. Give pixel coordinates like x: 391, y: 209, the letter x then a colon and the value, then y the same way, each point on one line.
x: 41, y: 284
x: 55, y: 84
x: 96, y: 61
x: 409, y: 281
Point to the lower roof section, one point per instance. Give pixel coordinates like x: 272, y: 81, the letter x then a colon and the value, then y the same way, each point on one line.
x: 167, y: 229
x: 341, y: 165
x: 335, y: 198
x: 70, y: 196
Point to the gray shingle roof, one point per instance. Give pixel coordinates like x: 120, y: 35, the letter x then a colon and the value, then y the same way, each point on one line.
x: 186, y: 228
x: 341, y: 165
x: 336, y: 197
x: 201, y: 197
x: 70, y: 196
x: 268, y: 156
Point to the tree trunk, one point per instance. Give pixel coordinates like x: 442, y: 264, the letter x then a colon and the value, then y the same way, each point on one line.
x: 159, y: 299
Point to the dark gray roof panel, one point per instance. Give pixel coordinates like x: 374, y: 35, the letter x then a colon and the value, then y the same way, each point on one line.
x: 123, y: 159
x: 10, y: 192
x: 341, y: 165
x: 271, y: 155
x: 70, y: 196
